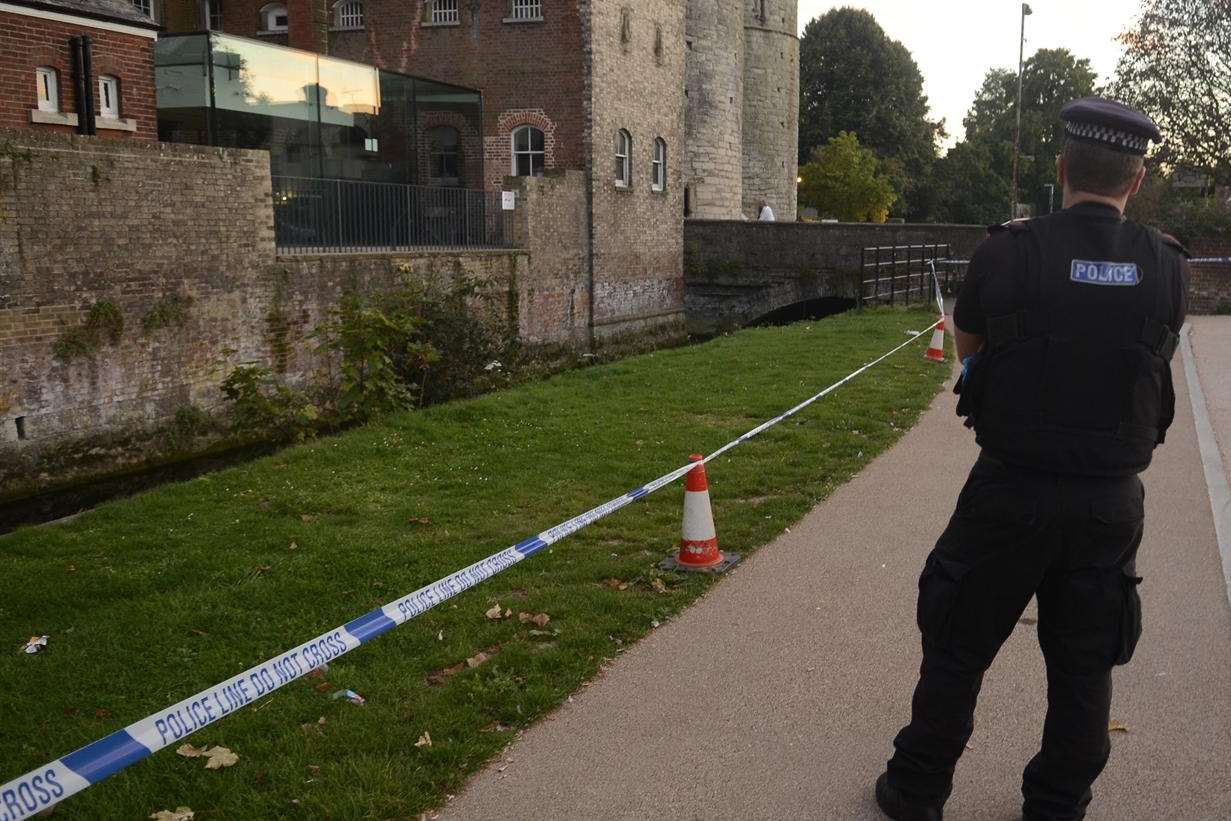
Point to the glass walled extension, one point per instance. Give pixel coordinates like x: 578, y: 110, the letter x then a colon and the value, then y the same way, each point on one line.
x: 360, y: 157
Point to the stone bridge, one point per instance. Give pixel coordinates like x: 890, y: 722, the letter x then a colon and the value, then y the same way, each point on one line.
x: 738, y: 273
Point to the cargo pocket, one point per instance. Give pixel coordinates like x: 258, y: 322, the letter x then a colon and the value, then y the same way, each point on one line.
x: 1130, y: 617
x: 940, y: 584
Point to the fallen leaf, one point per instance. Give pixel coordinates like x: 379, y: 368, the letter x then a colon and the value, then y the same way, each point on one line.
x: 541, y: 633
x: 542, y: 619
x: 495, y: 613
x: 72, y: 568
x: 219, y: 757
x: 307, y: 518
x: 281, y: 466
x: 189, y: 751
x: 425, y: 740
x: 69, y: 712
x: 197, y: 632
x: 263, y: 568
x: 440, y: 636
x: 323, y: 687
x: 1116, y: 727
x: 616, y: 584
x: 314, y: 769
x: 496, y: 727
x: 658, y: 586
x: 260, y: 777
x: 508, y: 614
x: 102, y: 712
x: 177, y: 814
x: 264, y: 504
x: 477, y: 659
x: 438, y: 678
x: 419, y: 520
x: 293, y: 546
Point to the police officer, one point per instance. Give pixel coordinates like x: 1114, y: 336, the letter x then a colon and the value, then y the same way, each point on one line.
x: 1067, y: 325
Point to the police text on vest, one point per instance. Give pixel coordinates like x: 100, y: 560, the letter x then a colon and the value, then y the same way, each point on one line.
x: 1104, y: 273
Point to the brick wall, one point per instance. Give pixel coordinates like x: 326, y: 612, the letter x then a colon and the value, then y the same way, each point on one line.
x: 28, y: 42
x: 1209, y: 286
x: 136, y: 225
x: 636, y: 54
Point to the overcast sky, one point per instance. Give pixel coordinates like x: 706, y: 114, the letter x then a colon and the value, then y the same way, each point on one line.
x: 955, y: 42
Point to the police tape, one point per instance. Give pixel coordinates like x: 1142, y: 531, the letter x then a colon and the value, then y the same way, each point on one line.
x: 50, y: 784
x: 1209, y: 261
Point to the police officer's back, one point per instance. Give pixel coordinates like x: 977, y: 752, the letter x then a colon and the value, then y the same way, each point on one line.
x: 1066, y: 325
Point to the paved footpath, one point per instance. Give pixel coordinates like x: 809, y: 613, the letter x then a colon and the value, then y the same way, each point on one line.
x: 777, y: 695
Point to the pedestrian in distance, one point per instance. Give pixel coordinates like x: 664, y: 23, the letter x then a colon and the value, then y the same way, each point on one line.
x: 1066, y: 326
x: 765, y: 214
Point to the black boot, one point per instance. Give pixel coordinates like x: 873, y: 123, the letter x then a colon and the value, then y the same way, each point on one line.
x: 894, y: 803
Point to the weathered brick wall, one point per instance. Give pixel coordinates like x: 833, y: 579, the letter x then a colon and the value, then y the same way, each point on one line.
x: 1209, y: 288
x: 28, y: 42
x: 77, y: 229
x: 771, y: 107
x: 786, y: 248
x: 714, y: 42
x: 636, y: 53
x: 551, y: 224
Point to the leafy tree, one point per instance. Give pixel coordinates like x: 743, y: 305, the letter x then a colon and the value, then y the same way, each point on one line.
x: 1051, y: 78
x: 1177, y: 68
x: 967, y: 188
x: 852, y: 77
x: 846, y: 181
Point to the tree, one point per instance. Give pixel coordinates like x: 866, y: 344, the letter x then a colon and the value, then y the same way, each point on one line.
x: 852, y: 77
x: 967, y: 188
x: 1051, y: 78
x: 846, y: 181
x: 1177, y: 68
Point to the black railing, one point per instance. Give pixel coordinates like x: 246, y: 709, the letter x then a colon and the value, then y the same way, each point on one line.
x: 314, y: 216
x: 892, y: 273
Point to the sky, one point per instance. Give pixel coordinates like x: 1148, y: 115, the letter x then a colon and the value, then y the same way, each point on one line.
x: 956, y: 42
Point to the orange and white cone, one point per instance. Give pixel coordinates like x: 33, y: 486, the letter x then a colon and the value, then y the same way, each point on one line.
x: 936, y: 350
x: 698, y: 539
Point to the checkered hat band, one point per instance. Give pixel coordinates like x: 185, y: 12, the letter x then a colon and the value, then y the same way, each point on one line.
x: 1111, y: 136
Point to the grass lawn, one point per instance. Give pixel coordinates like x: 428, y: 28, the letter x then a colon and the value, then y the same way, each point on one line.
x: 148, y: 600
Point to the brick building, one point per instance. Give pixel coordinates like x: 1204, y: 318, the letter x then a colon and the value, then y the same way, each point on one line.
x: 51, y: 51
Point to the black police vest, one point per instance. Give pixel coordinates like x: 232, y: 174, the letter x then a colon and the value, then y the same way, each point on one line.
x: 1077, y: 380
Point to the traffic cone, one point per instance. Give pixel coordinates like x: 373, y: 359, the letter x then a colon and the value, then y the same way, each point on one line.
x: 936, y: 350
x: 699, y: 541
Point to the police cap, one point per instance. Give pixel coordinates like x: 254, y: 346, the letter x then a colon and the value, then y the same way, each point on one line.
x: 1109, y: 124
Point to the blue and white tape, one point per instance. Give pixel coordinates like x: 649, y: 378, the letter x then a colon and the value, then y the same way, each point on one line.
x: 46, y: 786
x: 1210, y: 261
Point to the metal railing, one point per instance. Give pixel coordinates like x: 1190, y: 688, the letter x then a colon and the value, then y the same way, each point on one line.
x: 315, y: 216
x: 890, y: 273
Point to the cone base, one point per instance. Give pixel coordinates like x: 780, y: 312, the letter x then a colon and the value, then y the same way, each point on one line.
x: 729, y: 560
x: 935, y: 356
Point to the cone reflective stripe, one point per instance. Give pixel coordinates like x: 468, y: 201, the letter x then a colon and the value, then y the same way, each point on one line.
x: 936, y: 350
x: 699, y: 540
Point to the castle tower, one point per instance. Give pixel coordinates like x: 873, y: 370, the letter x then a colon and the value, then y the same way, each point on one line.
x: 770, y: 131
x: 714, y: 83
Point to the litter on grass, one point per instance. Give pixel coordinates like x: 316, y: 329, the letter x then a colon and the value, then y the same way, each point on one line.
x: 349, y: 695
x: 35, y: 644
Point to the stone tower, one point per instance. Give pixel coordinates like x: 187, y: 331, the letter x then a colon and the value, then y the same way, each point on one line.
x: 714, y: 83
x: 770, y: 127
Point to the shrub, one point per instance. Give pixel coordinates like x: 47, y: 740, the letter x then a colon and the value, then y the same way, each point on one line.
x: 103, y: 323
x: 261, y: 404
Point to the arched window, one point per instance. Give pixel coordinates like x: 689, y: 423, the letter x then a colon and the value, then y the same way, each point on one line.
x: 108, y: 97
x: 48, y: 81
x: 528, y: 152
x: 348, y: 15
x: 446, y: 155
x: 274, y: 18
x: 658, y: 166
x: 623, y: 159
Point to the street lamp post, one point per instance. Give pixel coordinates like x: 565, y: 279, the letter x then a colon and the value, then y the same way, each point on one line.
x: 1017, y: 134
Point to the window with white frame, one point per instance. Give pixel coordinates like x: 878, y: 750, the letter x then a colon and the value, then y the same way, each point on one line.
x: 146, y: 7
x: 274, y: 18
x: 445, y: 12
x: 623, y: 159
x: 658, y: 166
x: 108, y: 97
x: 349, y: 14
x: 48, y: 80
x: 527, y: 9
x: 528, y: 152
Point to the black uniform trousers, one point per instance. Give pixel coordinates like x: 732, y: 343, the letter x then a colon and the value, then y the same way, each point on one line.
x: 1071, y: 542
